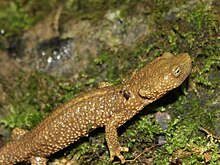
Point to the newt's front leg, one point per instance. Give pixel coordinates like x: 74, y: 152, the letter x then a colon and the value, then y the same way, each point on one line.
x: 112, y: 138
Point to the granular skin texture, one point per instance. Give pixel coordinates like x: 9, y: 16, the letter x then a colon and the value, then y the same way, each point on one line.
x: 108, y: 106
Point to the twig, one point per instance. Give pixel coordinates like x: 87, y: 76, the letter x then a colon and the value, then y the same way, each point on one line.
x: 209, y: 134
x: 143, y: 152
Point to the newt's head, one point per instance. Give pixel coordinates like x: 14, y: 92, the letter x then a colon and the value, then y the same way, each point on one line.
x: 163, y: 74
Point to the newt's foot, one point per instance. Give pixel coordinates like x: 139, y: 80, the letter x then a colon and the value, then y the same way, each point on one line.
x: 117, y: 152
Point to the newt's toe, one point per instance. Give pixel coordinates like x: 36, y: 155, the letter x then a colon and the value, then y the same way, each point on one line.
x: 117, y: 153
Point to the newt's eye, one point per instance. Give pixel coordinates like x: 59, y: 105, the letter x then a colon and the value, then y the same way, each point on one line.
x: 176, y: 70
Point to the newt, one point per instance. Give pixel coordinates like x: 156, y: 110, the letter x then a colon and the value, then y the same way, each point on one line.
x: 108, y: 106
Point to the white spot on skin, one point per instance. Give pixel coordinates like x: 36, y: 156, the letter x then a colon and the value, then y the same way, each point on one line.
x: 49, y: 60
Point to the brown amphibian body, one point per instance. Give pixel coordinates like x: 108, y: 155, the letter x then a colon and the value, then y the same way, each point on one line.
x: 108, y: 106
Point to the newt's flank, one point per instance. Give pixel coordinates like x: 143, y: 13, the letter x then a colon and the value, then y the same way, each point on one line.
x: 108, y: 106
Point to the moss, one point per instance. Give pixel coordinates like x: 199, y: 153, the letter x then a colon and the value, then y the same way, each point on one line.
x: 16, y: 16
x: 185, y: 33
x: 34, y: 97
x: 180, y: 27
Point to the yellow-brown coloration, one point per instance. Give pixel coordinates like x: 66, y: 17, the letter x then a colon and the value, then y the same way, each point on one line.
x: 109, y: 106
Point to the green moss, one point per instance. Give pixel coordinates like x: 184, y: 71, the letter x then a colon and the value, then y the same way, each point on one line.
x: 180, y: 27
x: 34, y: 97
x: 16, y: 16
x: 183, y: 137
x: 20, y: 118
x: 210, y: 64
